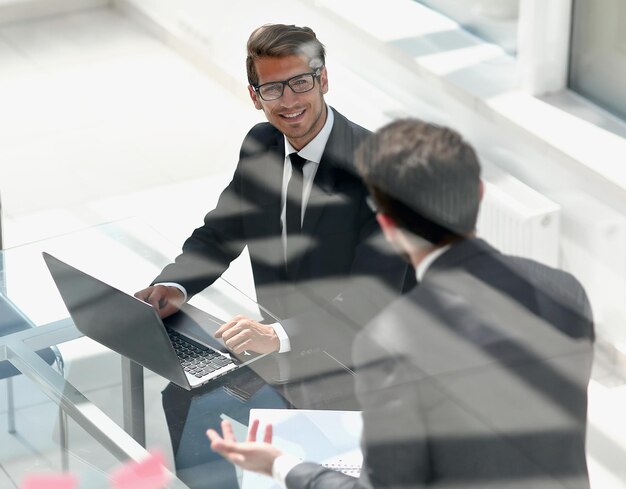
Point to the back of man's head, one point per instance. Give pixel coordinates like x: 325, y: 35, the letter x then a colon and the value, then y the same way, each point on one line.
x: 278, y: 40
x: 425, y: 177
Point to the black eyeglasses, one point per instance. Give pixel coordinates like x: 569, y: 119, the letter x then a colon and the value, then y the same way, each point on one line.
x: 298, y: 84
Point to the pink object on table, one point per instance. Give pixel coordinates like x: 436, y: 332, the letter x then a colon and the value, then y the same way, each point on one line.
x: 147, y: 474
x: 50, y: 481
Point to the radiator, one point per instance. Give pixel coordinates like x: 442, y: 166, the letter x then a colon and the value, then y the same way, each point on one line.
x: 517, y: 219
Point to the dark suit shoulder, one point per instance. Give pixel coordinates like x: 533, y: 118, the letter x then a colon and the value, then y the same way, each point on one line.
x: 359, y: 131
x: 492, y: 265
x: 347, y: 133
x: 547, y: 278
x: 545, y: 291
x: 479, y: 294
x: 262, y: 136
x: 557, y: 292
x: 344, y: 139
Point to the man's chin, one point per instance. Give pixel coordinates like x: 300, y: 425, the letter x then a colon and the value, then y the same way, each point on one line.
x: 293, y: 129
x: 293, y: 135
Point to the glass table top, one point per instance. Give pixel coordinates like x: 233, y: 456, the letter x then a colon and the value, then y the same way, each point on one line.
x: 102, y: 393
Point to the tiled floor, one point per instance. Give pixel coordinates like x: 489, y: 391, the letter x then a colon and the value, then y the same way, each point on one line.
x: 94, y: 107
x: 101, y: 121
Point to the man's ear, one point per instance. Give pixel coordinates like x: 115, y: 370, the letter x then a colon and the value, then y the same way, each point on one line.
x: 324, y: 80
x: 255, y: 98
x: 388, y: 225
x: 481, y: 189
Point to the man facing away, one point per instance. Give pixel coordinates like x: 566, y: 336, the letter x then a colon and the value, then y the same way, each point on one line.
x: 297, y: 204
x: 478, y: 376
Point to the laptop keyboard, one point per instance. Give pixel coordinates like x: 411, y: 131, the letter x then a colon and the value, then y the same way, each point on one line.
x: 196, y: 359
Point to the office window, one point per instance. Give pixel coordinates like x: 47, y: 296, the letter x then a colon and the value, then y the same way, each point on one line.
x: 598, y: 53
x: 492, y: 20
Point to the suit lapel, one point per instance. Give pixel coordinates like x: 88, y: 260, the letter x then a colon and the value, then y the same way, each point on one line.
x: 263, y: 186
x: 337, y: 156
x: 321, y: 193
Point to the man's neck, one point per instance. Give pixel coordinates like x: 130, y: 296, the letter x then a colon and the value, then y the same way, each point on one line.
x: 418, y: 254
x: 422, y: 256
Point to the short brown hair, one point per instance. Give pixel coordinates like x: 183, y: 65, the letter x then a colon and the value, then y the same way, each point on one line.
x: 283, y: 40
x: 424, y: 176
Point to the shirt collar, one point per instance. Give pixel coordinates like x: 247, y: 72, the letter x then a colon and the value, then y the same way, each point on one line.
x: 428, y: 260
x: 314, y: 150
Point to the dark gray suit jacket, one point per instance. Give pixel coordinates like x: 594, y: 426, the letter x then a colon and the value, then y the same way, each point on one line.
x: 345, y: 271
x: 476, y: 378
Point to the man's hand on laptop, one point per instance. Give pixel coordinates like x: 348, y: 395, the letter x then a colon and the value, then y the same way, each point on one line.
x: 165, y: 299
x: 242, y: 333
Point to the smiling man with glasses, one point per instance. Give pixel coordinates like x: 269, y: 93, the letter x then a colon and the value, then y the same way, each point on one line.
x: 296, y: 202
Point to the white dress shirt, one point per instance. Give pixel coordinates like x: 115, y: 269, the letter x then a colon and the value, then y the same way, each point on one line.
x: 312, y: 153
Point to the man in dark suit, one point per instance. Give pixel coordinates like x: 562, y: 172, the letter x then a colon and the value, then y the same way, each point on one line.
x: 321, y: 266
x: 478, y: 376
x: 317, y: 254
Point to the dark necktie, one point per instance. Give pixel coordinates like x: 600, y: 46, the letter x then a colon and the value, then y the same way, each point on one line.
x: 293, y: 207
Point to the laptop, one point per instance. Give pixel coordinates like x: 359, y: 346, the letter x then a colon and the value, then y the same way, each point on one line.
x: 180, y: 348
